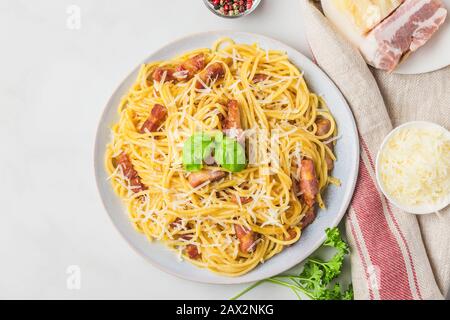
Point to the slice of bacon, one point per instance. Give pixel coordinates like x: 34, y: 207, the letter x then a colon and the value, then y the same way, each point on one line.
x: 323, y: 127
x: 309, y: 188
x: 176, y: 223
x: 232, y: 125
x: 157, y: 116
x: 163, y: 72
x: 233, y: 119
x: 197, y: 178
x: 292, y: 234
x: 309, y: 217
x: 192, y: 251
x: 259, y: 77
x: 213, y: 72
x: 186, y: 237
x: 246, y: 237
x: 242, y: 200
x: 130, y: 173
x: 404, y: 31
x: 309, y: 185
x: 190, y: 67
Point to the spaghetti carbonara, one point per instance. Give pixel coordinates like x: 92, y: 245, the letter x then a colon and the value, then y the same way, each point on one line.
x: 222, y: 215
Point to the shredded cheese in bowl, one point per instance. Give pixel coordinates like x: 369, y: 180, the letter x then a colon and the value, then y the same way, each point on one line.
x: 413, y: 167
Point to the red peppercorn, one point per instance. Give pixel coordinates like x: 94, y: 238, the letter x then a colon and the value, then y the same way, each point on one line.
x: 249, y: 4
x: 226, y: 8
x: 216, y: 2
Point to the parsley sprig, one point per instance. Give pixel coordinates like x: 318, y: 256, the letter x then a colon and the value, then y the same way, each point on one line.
x: 315, y: 280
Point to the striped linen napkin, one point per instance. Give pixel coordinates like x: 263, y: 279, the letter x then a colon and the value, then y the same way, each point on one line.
x: 395, y: 255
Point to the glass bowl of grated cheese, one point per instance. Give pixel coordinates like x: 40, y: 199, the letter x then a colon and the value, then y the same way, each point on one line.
x: 413, y: 167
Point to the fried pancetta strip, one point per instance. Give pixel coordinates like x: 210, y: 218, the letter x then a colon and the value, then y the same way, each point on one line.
x: 176, y: 223
x: 184, y: 71
x: 233, y: 119
x: 163, y: 73
x: 190, y: 67
x: 323, y: 127
x: 242, y: 200
x: 232, y: 123
x: 309, y: 217
x: 197, y: 178
x: 259, y: 77
x: 246, y: 237
x: 192, y: 251
x: 213, y: 72
x: 156, y: 118
x: 292, y: 234
x: 130, y: 173
x: 309, y: 185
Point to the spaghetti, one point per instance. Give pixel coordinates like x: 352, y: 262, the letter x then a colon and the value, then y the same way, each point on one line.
x: 266, y: 203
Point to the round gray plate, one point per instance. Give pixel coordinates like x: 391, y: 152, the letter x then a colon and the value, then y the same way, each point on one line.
x: 337, y: 198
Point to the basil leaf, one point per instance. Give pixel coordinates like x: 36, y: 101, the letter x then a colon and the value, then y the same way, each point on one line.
x: 195, y: 150
x: 229, y: 154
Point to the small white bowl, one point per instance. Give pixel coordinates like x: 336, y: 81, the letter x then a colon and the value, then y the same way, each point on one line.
x: 423, y: 209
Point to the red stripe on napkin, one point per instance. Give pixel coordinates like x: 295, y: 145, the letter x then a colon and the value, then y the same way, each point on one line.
x: 394, y: 220
x: 361, y: 257
x: 383, y: 249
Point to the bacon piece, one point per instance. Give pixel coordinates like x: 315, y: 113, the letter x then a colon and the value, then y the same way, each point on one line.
x: 128, y: 171
x: 259, y: 77
x: 197, y: 178
x: 232, y: 124
x: 192, y: 251
x: 309, y: 217
x: 405, y: 31
x: 292, y: 234
x: 323, y: 127
x: 309, y: 185
x: 159, y: 72
x: 186, y: 237
x: 243, y: 200
x: 191, y: 66
x: 328, y: 160
x: 136, y: 185
x: 176, y: 223
x: 233, y: 120
x: 156, y: 118
x: 213, y: 72
x: 247, y: 238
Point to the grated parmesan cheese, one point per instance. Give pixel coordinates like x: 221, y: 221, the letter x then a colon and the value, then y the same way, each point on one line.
x: 414, y: 166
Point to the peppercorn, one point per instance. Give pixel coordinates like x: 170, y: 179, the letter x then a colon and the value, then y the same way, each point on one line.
x: 231, y: 7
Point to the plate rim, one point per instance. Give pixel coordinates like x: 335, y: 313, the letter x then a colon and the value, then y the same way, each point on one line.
x: 223, y: 279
